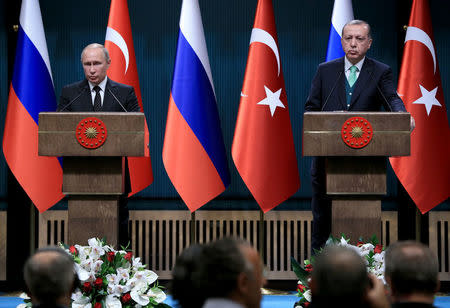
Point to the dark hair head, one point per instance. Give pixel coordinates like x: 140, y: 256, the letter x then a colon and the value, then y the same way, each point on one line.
x: 358, y: 22
x: 411, y: 267
x: 222, y: 262
x: 339, y: 276
x: 185, y: 286
x: 49, y: 274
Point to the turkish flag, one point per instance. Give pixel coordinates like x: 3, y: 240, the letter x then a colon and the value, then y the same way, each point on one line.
x: 425, y: 174
x: 123, y: 69
x: 263, y: 146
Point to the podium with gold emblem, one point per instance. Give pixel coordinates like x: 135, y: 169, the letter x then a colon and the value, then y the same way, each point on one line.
x: 92, y: 146
x: 356, y: 145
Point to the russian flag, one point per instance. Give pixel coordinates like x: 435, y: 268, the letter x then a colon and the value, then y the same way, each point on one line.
x: 194, y: 152
x: 31, y: 92
x: 342, y: 14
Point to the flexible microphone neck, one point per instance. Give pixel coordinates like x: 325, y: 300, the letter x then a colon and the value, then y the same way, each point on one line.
x: 73, y: 100
x: 382, y: 95
x: 117, y: 100
x: 332, y: 89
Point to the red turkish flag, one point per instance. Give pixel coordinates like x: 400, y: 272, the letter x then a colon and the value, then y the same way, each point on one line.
x: 426, y: 173
x: 123, y: 69
x: 263, y: 146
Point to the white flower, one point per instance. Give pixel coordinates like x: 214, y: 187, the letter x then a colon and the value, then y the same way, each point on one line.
x: 157, y: 294
x: 22, y: 306
x: 112, y: 302
x: 343, y: 242
x: 96, y: 248
x: 138, y: 293
x: 123, y: 274
x: 307, y: 295
x: 96, y: 266
x: 24, y: 296
x: 80, y: 301
x: 112, y: 279
x: 365, y: 249
x: 149, y: 276
x: 83, y: 275
x: 137, y: 264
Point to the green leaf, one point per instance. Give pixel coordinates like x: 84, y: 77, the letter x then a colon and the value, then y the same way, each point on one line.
x: 374, y: 240
x: 300, y: 272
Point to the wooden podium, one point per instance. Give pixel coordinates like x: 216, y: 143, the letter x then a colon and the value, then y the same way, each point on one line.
x: 356, y: 177
x: 93, y: 178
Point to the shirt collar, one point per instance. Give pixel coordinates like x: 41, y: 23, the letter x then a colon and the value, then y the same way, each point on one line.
x: 102, y: 84
x: 348, y: 64
x: 221, y: 302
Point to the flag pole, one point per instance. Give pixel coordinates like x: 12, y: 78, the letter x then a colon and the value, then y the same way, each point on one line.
x: 32, y: 228
x: 192, y: 228
x: 261, y: 234
x: 418, y: 225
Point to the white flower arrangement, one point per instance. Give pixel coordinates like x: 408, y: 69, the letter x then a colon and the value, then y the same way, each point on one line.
x: 113, y: 279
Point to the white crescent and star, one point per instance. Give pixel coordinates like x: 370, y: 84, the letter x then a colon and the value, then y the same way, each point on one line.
x: 272, y: 98
x: 428, y: 98
x: 114, y: 37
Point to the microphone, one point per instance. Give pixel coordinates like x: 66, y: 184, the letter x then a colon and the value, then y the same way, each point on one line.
x: 71, y: 102
x: 117, y: 100
x: 382, y: 95
x: 332, y: 89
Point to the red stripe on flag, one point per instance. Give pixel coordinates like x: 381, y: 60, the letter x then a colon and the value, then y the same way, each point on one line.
x: 141, y: 173
x: 40, y: 177
x: 188, y: 165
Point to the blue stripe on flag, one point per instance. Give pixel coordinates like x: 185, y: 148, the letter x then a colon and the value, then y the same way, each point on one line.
x: 334, y: 50
x: 193, y: 94
x: 31, y: 79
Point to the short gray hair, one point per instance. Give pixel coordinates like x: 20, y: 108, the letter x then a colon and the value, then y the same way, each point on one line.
x: 358, y: 22
x: 96, y: 45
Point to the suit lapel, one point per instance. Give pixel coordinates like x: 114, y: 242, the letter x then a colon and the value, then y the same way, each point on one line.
x: 108, y: 100
x: 86, y: 97
x: 341, y: 85
x: 363, y: 78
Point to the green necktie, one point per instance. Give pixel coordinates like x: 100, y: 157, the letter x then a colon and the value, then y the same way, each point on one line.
x: 352, y: 75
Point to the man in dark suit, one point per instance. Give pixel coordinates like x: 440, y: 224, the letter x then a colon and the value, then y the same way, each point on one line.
x: 98, y: 93
x: 352, y: 83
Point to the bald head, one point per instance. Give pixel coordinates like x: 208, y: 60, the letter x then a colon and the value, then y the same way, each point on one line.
x: 49, y: 275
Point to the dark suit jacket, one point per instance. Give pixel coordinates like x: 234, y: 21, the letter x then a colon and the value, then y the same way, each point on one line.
x: 375, y: 78
x: 77, y: 97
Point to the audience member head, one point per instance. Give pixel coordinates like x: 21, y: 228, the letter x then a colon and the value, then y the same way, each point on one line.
x: 339, y: 276
x: 232, y: 269
x: 50, y: 277
x: 411, y: 271
x: 186, y: 279
x: 95, y: 60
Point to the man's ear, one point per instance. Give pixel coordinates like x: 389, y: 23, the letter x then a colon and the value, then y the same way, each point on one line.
x: 243, y: 283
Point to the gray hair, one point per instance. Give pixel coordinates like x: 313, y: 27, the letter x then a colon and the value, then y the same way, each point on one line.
x: 96, y: 45
x: 49, y: 274
x: 358, y: 22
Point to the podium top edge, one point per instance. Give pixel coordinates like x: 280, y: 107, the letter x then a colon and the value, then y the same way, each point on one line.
x: 352, y: 113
